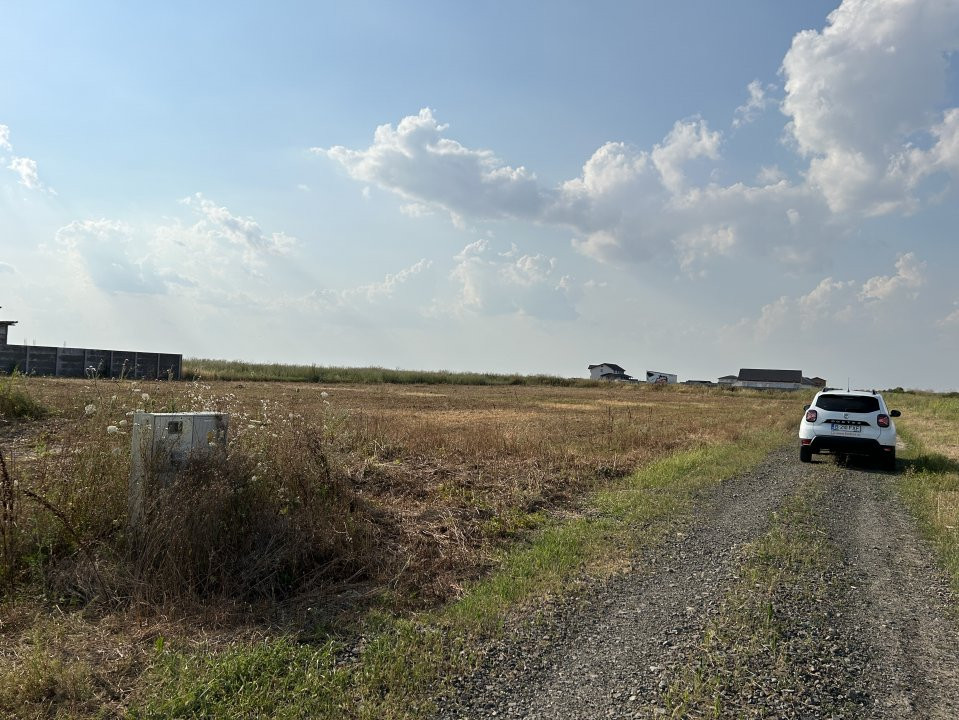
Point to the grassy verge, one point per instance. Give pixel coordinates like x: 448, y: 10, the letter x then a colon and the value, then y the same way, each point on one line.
x: 401, y: 664
x: 771, y: 634
x: 929, y: 482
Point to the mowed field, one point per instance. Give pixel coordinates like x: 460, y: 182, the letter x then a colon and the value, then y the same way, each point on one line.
x: 349, y: 549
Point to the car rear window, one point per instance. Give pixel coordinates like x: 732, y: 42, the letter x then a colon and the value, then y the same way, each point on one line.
x: 848, y: 403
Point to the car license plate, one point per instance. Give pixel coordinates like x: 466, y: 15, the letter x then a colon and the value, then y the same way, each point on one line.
x: 836, y: 427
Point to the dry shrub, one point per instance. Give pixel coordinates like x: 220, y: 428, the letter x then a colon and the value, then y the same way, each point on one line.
x: 252, y: 529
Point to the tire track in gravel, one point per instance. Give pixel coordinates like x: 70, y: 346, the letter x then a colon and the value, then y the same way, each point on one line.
x: 602, y: 653
x: 901, y: 601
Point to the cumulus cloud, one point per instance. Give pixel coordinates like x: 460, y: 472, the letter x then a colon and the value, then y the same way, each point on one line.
x: 865, y: 132
x: 865, y: 93
x: 626, y: 204
x: 508, y: 283
x: 908, y: 278
x: 388, y: 286
x: 219, y: 248
x: 951, y: 320
x: 25, y: 168
x: 417, y: 162
x: 242, y: 231
x: 839, y: 303
x: 110, y: 255
x: 755, y: 104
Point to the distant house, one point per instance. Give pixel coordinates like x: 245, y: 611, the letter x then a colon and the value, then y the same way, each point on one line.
x: 814, y: 382
x: 610, y: 372
x: 699, y: 383
x: 769, y: 379
x: 727, y: 380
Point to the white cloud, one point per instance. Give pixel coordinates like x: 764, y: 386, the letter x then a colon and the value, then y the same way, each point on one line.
x: 909, y: 277
x: 703, y: 244
x: 416, y: 210
x: 755, y: 104
x: 7, y: 268
x: 215, y: 254
x: 27, y: 170
x: 627, y: 203
x: 389, y: 284
x: 686, y: 141
x: 951, y: 320
x: 109, y: 254
x: 862, y: 92
x: 415, y: 161
x: 24, y: 167
x: 242, y: 231
x: 770, y: 175
x: 492, y: 283
x: 838, y: 304
x: 773, y: 316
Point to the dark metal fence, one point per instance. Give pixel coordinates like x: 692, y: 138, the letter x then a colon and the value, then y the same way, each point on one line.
x: 81, y: 362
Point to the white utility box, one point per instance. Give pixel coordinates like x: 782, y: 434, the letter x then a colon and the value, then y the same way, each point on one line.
x: 161, y: 445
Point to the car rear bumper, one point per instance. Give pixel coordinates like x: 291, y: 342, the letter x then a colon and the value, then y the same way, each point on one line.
x: 850, y: 445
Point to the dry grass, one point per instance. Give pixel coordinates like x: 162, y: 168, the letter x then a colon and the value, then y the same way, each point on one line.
x: 332, y: 498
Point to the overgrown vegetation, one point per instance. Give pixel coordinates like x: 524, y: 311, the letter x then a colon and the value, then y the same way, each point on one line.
x: 347, y: 522
x: 402, y: 663
x: 16, y: 403
x: 202, y: 368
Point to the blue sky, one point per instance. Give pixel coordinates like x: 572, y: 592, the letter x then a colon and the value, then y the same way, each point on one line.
x: 691, y: 187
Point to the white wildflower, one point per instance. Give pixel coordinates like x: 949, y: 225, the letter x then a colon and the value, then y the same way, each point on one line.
x: 324, y: 394
x: 90, y: 409
x: 112, y: 429
x: 145, y: 396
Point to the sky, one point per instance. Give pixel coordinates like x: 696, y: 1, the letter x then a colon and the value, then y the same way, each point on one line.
x: 689, y: 187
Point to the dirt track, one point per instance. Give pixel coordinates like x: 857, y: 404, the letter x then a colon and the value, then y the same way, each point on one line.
x: 882, y: 643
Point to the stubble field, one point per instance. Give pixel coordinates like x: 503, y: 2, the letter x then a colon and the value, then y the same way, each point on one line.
x: 336, y: 504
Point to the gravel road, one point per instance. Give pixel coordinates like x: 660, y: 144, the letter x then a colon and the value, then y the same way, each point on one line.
x: 612, y: 650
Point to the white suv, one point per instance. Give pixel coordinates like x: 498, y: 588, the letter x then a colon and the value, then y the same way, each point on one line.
x: 849, y: 422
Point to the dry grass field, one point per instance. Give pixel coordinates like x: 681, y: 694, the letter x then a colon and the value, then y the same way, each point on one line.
x: 334, y: 501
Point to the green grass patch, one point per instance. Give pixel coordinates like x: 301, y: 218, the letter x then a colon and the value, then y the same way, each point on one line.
x: 16, y: 403
x: 400, y: 665
x: 929, y: 485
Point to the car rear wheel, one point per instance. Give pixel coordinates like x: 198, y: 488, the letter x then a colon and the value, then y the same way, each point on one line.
x: 805, y: 454
x: 888, y: 461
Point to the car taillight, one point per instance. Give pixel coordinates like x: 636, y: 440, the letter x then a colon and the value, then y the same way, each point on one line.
x: 811, y: 415
x: 883, y: 421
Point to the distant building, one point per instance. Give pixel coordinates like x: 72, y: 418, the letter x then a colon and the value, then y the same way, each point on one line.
x: 610, y: 372
x: 699, y: 383
x: 727, y: 380
x: 814, y: 382
x: 769, y: 379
